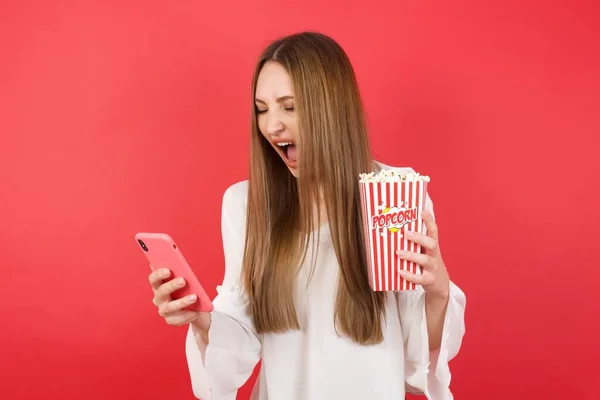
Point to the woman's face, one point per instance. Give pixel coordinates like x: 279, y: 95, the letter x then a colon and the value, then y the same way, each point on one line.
x: 274, y: 100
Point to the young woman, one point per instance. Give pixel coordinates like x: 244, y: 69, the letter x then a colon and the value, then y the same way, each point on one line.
x: 296, y: 293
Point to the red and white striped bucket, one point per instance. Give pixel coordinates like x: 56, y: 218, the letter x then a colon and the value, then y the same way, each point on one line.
x: 388, y: 209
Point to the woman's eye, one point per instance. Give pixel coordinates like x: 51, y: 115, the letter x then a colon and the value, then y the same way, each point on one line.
x: 289, y: 108
x: 261, y: 111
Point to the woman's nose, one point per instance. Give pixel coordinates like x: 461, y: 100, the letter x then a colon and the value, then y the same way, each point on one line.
x: 274, y: 124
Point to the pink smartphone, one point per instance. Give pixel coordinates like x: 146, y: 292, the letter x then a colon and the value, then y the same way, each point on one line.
x: 162, y: 252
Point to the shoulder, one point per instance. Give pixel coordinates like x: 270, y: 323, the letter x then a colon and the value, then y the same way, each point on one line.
x: 236, y: 195
x: 235, y: 200
x: 381, y: 166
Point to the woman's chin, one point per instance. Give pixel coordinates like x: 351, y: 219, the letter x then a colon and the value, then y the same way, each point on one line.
x: 294, y: 171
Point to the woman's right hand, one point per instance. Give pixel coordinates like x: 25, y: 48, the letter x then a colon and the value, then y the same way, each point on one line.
x: 173, y: 310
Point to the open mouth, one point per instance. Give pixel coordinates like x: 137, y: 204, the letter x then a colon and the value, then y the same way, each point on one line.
x: 289, y: 151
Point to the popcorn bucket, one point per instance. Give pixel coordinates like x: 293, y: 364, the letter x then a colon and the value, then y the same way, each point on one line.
x: 392, y: 202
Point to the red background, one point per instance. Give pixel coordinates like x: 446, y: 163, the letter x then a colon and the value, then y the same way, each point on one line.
x: 123, y: 116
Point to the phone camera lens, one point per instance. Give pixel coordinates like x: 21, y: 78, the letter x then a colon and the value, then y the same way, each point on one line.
x: 174, y: 246
x: 142, y: 244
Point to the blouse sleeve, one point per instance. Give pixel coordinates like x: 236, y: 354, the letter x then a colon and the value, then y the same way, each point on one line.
x: 428, y: 372
x: 220, y: 368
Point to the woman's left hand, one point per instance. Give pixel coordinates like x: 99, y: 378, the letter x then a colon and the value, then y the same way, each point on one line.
x: 434, y: 277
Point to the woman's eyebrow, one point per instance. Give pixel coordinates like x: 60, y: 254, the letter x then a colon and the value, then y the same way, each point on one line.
x: 279, y: 99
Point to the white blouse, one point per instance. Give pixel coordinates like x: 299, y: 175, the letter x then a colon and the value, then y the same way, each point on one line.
x: 314, y: 363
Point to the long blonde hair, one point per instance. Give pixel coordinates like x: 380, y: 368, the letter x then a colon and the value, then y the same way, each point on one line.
x: 334, y: 148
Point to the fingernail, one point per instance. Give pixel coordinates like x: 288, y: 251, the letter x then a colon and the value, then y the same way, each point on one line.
x: 165, y: 272
x: 192, y: 298
x: 425, y: 211
x: 402, y: 272
x: 179, y: 281
x: 401, y: 252
x: 410, y: 233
